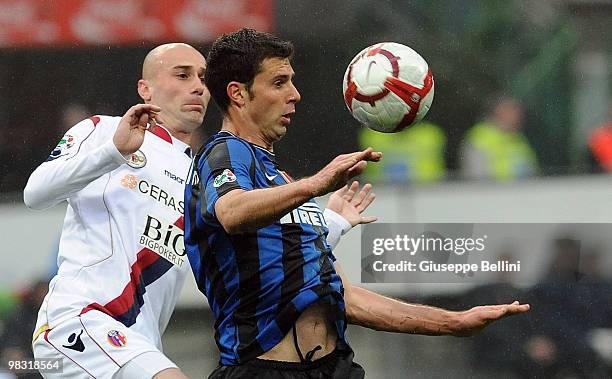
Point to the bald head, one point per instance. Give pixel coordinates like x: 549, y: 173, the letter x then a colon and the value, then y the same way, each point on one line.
x: 156, y: 59
x: 173, y: 79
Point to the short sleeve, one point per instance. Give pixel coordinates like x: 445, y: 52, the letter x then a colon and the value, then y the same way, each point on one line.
x: 229, y: 165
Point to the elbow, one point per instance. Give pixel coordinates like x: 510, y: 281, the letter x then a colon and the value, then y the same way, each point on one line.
x: 359, y: 307
x: 234, y: 220
x: 230, y: 222
x: 231, y: 214
x: 231, y: 228
x: 33, y: 198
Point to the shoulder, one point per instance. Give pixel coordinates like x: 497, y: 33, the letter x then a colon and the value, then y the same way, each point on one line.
x: 227, y: 148
x: 105, y: 123
x: 98, y: 123
x: 94, y: 128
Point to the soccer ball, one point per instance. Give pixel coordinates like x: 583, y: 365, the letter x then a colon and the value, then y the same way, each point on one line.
x: 388, y: 87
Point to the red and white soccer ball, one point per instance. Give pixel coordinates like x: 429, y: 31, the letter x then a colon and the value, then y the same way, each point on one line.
x: 388, y: 87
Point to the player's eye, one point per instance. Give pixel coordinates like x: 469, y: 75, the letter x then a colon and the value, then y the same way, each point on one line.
x: 183, y: 76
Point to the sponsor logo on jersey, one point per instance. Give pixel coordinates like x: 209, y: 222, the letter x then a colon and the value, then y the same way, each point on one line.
x: 129, y: 181
x: 164, y: 238
x: 132, y: 182
x: 227, y: 176
x: 307, y: 213
x: 116, y: 338
x: 270, y: 177
x: 75, y: 343
x: 176, y: 178
x: 137, y: 160
x: 62, y: 147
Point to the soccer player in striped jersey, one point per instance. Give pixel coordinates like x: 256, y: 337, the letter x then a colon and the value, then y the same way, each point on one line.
x: 256, y: 239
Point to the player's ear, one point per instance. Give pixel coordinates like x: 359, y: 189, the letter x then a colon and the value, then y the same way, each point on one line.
x: 237, y: 93
x: 144, y: 90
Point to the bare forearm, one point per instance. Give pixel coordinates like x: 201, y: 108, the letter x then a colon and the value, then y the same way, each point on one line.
x: 241, y: 211
x: 374, y: 311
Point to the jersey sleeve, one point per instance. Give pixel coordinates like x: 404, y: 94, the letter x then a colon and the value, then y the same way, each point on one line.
x: 85, y: 153
x: 227, y: 167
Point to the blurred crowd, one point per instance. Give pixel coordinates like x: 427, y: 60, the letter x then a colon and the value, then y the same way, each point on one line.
x: 18, y: 313
x: 568, y: 332
x: 494, y: 149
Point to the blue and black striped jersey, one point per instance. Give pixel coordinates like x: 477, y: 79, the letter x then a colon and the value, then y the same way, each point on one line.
x: 257, y: 283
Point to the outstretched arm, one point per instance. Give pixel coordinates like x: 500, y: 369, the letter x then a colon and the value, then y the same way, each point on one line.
x: 374, y: 311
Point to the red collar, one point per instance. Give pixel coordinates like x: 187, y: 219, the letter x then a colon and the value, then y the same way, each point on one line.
x: 161, y: 132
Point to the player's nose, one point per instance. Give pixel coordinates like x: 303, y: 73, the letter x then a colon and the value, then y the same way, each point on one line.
x: 295, y: 96
x: 198, y: 87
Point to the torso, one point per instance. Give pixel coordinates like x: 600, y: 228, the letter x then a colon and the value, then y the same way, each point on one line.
x: 285, y: 270
x: 128, y: 221
x: 314, y: 328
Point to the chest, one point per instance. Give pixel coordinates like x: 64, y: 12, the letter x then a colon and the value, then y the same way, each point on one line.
x: 153, y: 177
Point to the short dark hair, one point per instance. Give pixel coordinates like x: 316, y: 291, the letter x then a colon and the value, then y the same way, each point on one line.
x: 238, y: 57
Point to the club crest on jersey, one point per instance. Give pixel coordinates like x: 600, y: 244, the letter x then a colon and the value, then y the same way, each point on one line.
x: 62, y: 147
x: 137, y: 160
x: 116, y: 338
x: 227, y: 176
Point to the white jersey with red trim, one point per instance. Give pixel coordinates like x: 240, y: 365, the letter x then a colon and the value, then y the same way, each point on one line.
x: 121, y: 251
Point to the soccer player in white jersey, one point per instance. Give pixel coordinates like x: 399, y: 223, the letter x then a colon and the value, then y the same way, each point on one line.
x: 121, y: 260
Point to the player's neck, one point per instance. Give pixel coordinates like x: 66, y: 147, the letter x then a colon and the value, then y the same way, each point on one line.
x: 247, y: 131
x: 178, y: 133
x: 182, y: 136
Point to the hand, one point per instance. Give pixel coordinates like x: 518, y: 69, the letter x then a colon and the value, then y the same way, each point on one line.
x: 338, y: 172
x: 131, y: 130
x: 474, y: 320
x: 349, y: 203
